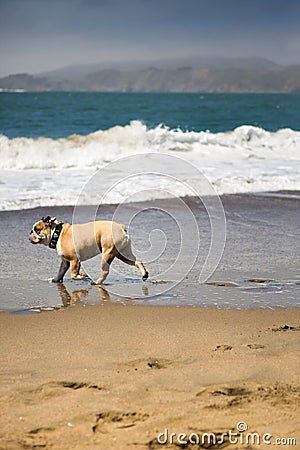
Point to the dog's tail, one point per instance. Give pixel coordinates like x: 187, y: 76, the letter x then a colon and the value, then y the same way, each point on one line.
x: 125, y: 231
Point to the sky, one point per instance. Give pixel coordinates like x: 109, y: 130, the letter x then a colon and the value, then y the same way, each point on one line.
x: 41, y: 35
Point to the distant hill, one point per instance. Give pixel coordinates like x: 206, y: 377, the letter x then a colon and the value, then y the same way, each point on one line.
x: 207, y: 74
x: 204, y: 62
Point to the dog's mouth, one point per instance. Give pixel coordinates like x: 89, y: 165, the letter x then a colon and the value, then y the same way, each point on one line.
x: 35, y: 238
x: 33, y: 242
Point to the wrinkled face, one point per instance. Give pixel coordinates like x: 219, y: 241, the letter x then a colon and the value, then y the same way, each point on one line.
x: 40, y: 233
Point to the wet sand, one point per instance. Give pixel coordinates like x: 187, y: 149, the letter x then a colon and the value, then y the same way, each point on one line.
x: 108, y: 371
x: 113, y: 377
x: 259, y: 267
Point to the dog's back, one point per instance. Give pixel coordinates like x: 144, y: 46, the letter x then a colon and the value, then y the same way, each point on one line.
x: 90, y: 238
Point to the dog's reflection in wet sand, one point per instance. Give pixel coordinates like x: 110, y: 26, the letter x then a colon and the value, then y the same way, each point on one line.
x: 79, y: 295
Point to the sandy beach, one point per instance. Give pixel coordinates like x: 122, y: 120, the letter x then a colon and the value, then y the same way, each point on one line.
x: 115, y: 377
x: 212, y: 365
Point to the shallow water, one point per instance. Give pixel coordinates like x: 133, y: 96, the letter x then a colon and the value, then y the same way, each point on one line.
x: 258, y: 269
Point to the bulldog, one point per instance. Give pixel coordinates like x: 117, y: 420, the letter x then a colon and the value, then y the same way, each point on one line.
x: 79, y: 242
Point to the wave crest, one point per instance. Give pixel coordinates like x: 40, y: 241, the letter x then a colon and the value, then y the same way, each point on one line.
x: 104, y: 146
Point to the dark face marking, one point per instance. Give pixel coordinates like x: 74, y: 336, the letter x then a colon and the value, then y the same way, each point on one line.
x: 40, y: 233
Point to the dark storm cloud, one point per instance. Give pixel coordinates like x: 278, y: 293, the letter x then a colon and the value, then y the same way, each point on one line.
x: 37, y: 35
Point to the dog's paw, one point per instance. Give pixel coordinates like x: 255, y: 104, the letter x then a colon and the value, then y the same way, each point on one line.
x: 55, y: 280
x: 145, y: 277
x: 81, y: 276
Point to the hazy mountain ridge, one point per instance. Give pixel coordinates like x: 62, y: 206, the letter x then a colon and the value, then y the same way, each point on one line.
x: 208, y: 62
x: 201, y: 75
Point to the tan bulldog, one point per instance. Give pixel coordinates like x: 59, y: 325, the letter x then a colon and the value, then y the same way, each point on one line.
x: 79, y: 242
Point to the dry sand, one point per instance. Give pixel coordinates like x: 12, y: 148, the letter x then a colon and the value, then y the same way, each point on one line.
x: 114, y: 377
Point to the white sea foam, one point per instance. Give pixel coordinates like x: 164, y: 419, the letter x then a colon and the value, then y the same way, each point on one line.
x: 44, y: 171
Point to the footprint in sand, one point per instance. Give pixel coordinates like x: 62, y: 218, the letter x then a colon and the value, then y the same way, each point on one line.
x: 159, y: 363
x: 229, y: 391
x: 223, y: 348
x: 56, y: 389
x: 109, y: 420
x: 286, y: 328
x: 144, y: 364
x: 220, y: 396
x: 255, y: 346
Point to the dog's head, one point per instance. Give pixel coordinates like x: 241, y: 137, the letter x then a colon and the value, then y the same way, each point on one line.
x: 41, y: 230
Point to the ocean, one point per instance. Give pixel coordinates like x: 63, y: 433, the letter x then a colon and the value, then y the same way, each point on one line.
x: 51, y: 144
x: 59, y: 114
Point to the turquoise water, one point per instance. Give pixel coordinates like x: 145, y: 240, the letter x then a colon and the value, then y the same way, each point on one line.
x: 58, y: 114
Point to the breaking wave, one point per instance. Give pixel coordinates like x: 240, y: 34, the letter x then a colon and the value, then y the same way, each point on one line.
x: 49, y: 172
x: 104, y: 146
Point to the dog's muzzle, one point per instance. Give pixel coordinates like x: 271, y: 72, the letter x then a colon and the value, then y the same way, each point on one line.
x: 34, y: 237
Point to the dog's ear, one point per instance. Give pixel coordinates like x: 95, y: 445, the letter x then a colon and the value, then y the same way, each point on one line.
x: 48, y: 220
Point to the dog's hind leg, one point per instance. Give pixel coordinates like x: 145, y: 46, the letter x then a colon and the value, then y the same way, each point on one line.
x: 128, y: 257
x: 107, y: 259
x: 139, y: 264
x: 62, y: 270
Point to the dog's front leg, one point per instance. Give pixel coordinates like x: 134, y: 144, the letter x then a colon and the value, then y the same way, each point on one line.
x: 62, y: 270
x: 75, y: 268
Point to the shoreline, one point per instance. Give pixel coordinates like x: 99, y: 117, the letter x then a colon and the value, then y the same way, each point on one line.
x: 282, y: 194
